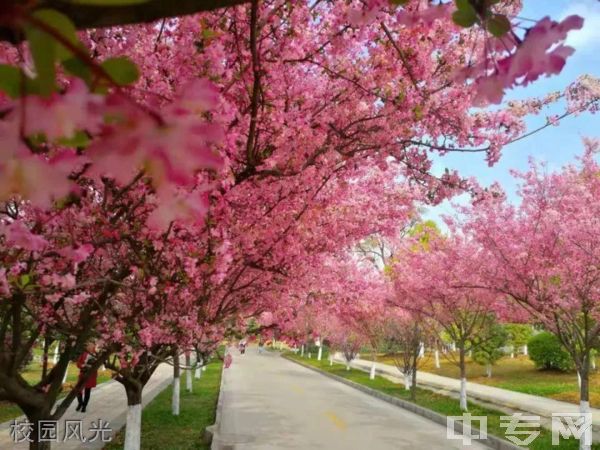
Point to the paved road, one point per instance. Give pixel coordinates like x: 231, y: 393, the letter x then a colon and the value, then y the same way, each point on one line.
x: 271, y: 403
x: 108, y: 402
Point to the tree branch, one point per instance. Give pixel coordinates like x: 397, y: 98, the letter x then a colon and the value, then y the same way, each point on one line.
x: 99, y: 16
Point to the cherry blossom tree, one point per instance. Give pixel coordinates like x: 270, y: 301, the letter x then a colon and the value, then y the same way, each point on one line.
x: 436, y: 281
x: 543, y: 254
x: 404, y: 334
x: 180, y: 176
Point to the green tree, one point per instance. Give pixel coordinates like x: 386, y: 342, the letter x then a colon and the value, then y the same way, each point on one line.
x: 518, y: 335
x: 488, y: 346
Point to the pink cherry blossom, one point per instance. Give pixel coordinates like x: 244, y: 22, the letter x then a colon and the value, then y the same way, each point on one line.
x: 19, y: 235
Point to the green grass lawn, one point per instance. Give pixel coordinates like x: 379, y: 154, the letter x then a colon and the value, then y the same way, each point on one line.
x: 163, y: 431
x: 436, y: 402
x: 32, y: 375
x: 515, y: 374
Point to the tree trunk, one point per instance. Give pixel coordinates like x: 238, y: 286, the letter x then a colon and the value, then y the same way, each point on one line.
x: 45, y: 352
x: 372, y: 372
x: 176, y: 384
x: 55, y: 357
x: 437, y: 358
x: 320, y: 353
x: 421, y: 350
x: 198, y: 373
x: 584, y: 395
x: 407, y: 380
x: 64, y: 380
x: 38, y: 445
x: 463, y: 379
x: 347, y: 365
x: 302, y: 350
x: 525, y: 351
x: 35, y: 418
x: 188, y: 372
x: 309, y: 355
x: 413, y: 383
x: 133, y: 427
x: 330, y: 359
x: 488, y: 370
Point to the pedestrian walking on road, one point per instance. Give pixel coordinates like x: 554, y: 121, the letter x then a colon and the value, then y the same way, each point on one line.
x: 84, y: 363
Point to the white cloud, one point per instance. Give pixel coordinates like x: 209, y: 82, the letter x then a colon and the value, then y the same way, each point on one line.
x: 588, y: 38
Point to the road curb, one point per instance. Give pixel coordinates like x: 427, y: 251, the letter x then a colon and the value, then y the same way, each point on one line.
x: 493, y: 442
x: 211, y: 431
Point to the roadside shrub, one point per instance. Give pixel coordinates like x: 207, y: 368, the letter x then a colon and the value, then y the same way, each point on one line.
x: 546, y: 351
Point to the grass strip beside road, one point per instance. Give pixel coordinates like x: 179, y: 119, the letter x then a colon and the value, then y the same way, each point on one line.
x: 161, y: 430
x: 436, y: 402
x: 517, y: 374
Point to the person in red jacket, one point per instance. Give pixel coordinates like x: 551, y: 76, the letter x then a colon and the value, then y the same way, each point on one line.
x: 84, y: 362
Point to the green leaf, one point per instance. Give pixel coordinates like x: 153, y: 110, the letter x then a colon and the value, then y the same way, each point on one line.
x: 498, y: 25
x: 418, y: 112
x: 207, y: 33
x: 121, y: 70
x: 43, y: 52
x: 464, y: 5
x: 464, y: 18
x: 78, y: 68
x: 24, y: 280
x: 62, y: 25
x: 44, y: 47
x: 80, y: 140
x: 10, y: 80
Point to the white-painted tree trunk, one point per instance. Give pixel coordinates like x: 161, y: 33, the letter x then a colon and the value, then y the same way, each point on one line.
x: 525, y: 350
x: 421, y: 350
x: 488, y: 370
x: 593, y: 362
x: 175, y: 398
x: 579, y: 380
x: 55, y: 357
x: 66, y: 373
x: 133, y: 427
x: 188, y: 373
x: 198, y: 373
x: 302, y: 350
x: 512, y: 352
x: 188, y: 380
x: 584, y: 408
x: 331, y: 360
x: 453, y: 346
x: 320, y: 353
x: 463, y: 394
x: 436, y: 355
x: 372, y: 372
x: 407, y: 381
x: 309, y: 355
x: 347, y: 365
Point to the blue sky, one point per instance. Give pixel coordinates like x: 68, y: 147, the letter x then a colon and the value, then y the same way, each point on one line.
x: 554, y: 145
